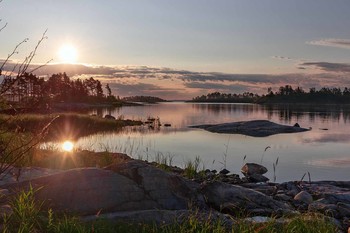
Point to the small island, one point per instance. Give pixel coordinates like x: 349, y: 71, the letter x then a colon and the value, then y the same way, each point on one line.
x: 256, y: 128
x: 144, y: 99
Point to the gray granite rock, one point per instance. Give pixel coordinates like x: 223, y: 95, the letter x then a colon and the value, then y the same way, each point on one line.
x: 133, y: 185
x: 304, y: 196
x: 256, y: 128
x: 232, y: 198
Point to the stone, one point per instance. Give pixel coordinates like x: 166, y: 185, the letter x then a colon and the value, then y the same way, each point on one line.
x: 343, y: 209
x: 296, y: 125
x: 257, y: 178
x: 233, y: 198
x: 323, y: 207
x: 5, y: 210
x: 133, y: 185
x: 224, y: 171
x: 261, y: 187
x: 110, y: 117
x: 4, y: 192
x: 163, y: 217
x: 304, y: 197
x: 283, y: 197
x: 255, y: 128
x: 252, y: 168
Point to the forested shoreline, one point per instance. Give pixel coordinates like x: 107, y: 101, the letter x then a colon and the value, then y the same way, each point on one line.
x: 285, y: 94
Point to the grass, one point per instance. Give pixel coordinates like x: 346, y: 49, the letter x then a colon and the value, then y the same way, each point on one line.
x: 192, y: 168
x: 77, y: 159
x: 29, y: 216
x: 66, y: 126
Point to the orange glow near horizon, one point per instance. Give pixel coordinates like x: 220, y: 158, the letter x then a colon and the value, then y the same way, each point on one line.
x: 68, y: 53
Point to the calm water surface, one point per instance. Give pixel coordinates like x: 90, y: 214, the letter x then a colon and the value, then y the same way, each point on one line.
x: 325, y: 154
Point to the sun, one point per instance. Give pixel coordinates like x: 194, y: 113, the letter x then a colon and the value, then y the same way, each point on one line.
x: 68, y: 53
x: 67, y: 146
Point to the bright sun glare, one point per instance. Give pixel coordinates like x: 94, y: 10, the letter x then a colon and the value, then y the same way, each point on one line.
x: 68, y: 53
x: 67, y: 146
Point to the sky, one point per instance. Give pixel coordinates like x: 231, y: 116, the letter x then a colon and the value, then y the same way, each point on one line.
x: 180, y: 49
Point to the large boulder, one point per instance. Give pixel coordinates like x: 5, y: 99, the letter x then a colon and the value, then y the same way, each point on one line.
x: 232, y: 199
x: 130, y: 186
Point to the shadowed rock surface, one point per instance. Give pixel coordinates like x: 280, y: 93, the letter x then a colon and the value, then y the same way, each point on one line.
x: 137, y: 191
x: 256, y: 128
x: 133, y: 185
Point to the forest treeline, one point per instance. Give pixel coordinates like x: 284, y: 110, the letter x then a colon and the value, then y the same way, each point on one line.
x: 285, y: 94
x: 29, y: 88
x: 145, y: 99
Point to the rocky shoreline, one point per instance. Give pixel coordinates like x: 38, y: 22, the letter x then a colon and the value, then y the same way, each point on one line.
x: 139, y: 191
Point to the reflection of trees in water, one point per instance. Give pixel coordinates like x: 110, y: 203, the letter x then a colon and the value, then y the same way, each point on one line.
x: 293, y: 113
x: 217, y: 109
x: 284, y: 112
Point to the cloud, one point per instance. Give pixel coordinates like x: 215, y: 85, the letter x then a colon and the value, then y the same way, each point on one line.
x: 237, y: 88
x: 282, y: 58
x: 332, y: 42
x: 133, y: 89
x: 182, y: 84
x: 328, y: 66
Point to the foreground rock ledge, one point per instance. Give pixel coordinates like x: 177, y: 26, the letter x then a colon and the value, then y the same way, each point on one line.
x: 256, y: 128
x: 135, y: 190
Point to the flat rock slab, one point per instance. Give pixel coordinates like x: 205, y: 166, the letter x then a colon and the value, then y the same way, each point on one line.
x: 256, y: 128
x: 133, y: 185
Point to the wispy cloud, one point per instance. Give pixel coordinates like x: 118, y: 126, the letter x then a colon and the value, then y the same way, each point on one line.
x: 283, y: 58
x: 328, y: 66
x: 332, y: 42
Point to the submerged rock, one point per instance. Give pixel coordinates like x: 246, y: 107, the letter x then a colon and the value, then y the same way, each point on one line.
x: 256, y: 128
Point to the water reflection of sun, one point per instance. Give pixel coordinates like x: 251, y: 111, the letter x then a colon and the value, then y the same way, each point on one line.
x: 67, y: 146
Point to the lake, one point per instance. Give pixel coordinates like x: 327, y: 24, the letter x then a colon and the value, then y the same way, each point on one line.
x: 324, y: 151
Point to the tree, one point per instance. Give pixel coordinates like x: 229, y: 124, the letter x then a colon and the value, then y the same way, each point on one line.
x: 109, y: 91
x: 13, y: 146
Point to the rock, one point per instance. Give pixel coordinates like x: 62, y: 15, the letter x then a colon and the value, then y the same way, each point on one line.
x: 4, y: 192
x: 320, y: 206
x: 296, y: 125
x: 232, y: 198
x: 167, y: 125
x: 283, y: 197
x: 252, y: 168
x: 257, y: 178
x: 224, y: 171
x: 5, y: 210
x: 163, y: 217
x: 343, y: 209
x: 256, y: 128
x: 129, y: 186
x: 304, y: 197
x: 109, y: 117
x: 261, y: 187
x: 214, y: 171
